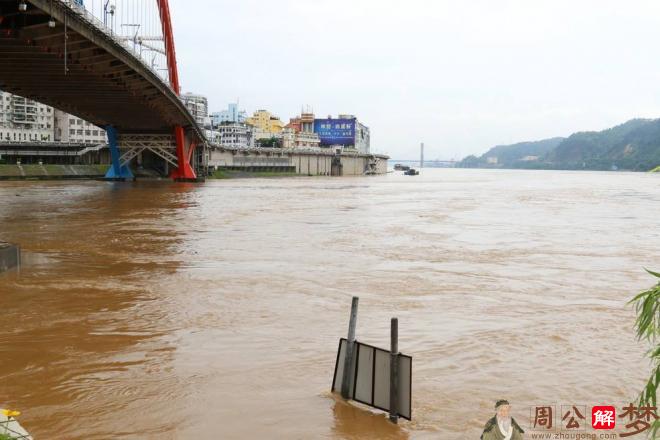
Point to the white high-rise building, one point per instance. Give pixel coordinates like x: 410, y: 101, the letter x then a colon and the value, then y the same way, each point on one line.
x: 231, y: 135
x: 232, y: 114
x: 198, y: 106
x: 71, y: 129
x: 25, y: 120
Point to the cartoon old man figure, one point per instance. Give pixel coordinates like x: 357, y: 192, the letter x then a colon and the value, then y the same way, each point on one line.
x: 502, y: 426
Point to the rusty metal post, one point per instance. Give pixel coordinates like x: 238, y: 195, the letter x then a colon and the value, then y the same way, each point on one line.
x: 350, y: 350
x: 394, y: 370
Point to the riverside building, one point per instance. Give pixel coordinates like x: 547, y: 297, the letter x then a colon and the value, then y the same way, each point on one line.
x: 72, y: 129
x: 299, y: 132
x: 25, y: 120
x: 344, y: 132
x: 231, y: 135
x: 231, y: 115
x: 198, y: 106
x: 265, y: 125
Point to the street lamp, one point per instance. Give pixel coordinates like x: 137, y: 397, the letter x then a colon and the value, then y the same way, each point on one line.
x: 22, y: 6
x: 109, y: 9
x: 51, y: 20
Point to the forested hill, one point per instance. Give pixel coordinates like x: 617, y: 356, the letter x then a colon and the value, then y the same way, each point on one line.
x: 634, y: 145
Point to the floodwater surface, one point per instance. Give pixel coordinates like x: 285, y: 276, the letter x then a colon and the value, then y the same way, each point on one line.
x: 155, y: 310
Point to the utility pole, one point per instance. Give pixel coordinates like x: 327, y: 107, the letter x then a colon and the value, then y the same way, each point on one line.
x: 421, y: 156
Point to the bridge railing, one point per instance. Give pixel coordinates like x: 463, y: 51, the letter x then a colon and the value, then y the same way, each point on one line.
x: 93, y: 20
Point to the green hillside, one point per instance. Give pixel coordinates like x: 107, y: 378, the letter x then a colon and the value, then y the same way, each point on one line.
x: 634, y: 145
x: 508, y: 156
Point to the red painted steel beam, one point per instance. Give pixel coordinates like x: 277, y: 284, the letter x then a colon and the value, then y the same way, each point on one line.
x: 168, y: 35
x: 185, y: 171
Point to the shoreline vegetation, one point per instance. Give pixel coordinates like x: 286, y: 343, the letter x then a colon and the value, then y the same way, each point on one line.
x: 647, y: 326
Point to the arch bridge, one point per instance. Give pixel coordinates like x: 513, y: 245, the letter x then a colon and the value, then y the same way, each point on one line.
x: 79, y: 60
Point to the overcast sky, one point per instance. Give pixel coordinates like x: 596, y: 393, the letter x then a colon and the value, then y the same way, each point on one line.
x: 459, y: 75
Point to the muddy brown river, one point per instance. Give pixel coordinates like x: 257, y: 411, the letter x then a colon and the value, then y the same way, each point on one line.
x: 155, y: 310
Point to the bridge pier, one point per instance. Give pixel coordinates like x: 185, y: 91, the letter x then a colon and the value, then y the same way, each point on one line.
x: 117, y: 171
x: 178, y: 155
x: 184, y: 172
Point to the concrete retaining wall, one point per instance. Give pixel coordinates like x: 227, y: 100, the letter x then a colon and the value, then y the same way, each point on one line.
x: 306, y: 162
x: 10, y: 256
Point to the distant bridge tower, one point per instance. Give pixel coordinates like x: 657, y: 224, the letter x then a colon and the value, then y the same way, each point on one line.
x: 421, y: 156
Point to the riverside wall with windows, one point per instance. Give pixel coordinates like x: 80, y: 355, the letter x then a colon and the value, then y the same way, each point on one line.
x: 305, y: 162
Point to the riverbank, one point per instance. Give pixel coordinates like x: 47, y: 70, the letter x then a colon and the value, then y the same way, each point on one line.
x: 234, y: 174
x: 51, y: 172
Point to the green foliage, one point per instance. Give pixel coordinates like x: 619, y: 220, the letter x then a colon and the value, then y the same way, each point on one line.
x: 634, y: 145
x: 5, y: 437
x: 647, y: 325
x: 220, y: 174
x: 509, y: 156
x: 9, y: 171
x: 269, y: 143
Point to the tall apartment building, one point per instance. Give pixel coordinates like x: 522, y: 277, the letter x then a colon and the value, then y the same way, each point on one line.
x: 71, y: 129
x: 198, y: 106
x: 231, y: 115
x: 25, y: 120
x: 266, y: 125
x: 302, y: 123
x: 299, y: 132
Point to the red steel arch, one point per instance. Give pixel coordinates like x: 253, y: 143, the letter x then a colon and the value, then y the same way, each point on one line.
x: 185, y: 170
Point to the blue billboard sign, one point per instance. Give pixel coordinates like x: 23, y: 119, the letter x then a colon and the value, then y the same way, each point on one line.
x: 335, y: 131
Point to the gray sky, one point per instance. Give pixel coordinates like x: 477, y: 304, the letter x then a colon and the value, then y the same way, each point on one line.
x: 461, y: 76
